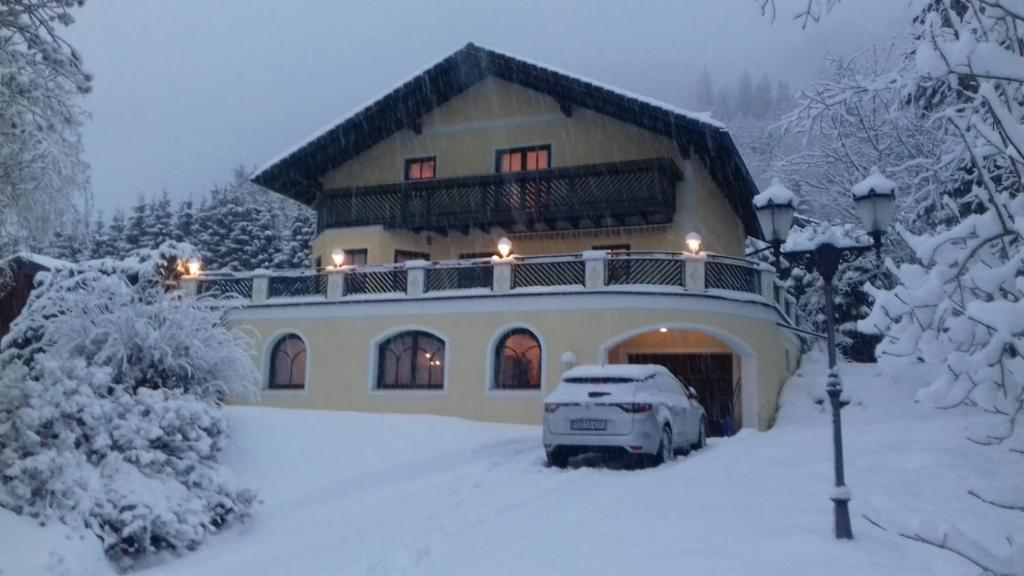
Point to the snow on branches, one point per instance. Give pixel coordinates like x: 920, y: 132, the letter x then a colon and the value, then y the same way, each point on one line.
x: 110, y: 392
x: 960, y: 300
x: 41, y: 167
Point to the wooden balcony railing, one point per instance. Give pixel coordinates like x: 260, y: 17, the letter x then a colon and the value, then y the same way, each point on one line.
x: 649, y: 272
x: 593, y: 196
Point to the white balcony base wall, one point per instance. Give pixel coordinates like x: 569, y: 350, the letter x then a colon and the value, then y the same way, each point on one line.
x: 588, y: 323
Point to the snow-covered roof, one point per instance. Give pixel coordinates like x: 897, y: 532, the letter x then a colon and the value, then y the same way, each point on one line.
x: 47, y: 262
x: 624, y: 371
x: 875, y: 183
x: 296, y: 173
x: 776, y: 194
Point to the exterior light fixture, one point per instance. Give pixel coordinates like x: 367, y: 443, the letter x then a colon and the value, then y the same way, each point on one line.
x: 775, y: 209
x: 194, y: 267
x: 338, y: 257
x: 875, y: 199
x: 504, y: 247
x: 663, y: 330
x: 693, y: 242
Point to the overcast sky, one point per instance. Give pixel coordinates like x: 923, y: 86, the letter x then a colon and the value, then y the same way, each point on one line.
x: 186, y: 90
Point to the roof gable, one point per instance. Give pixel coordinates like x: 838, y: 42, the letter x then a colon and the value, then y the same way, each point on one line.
x: 296, y: 173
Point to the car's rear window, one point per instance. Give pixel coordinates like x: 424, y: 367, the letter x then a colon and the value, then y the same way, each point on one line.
x: 598, y: 380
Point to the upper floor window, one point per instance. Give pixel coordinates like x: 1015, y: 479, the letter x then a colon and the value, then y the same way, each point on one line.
x: 421, y: 168
x: 288, y: 363
x: 356, y: 257
x: 406, y: 255
x: 517, y: 361
x: 522, y: 159
x: 411, y: 360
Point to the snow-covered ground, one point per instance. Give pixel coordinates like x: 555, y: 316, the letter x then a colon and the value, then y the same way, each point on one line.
x: 348, y: 493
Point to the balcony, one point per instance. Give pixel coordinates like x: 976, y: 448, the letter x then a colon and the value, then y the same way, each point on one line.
x: 593, y: 271
x: 595, y: 196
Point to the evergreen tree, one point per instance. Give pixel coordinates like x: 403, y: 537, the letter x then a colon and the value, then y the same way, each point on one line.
x: 185, y: 223
x: 137, y: 232
x: 103, y: 243
x: 161, y: 221
x: 117, y: 233
x: 762, y: 100
x: 744, y: 96
x: 704, y: 92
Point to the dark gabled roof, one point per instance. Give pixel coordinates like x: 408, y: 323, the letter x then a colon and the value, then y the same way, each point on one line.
x: 296, y: 174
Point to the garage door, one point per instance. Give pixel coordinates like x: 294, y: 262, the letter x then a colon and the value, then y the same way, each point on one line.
x: 711, y: 376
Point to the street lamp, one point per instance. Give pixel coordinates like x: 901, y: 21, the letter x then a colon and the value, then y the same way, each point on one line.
x: 875, y: 198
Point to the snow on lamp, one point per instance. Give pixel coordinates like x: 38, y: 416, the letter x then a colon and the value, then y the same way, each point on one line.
x: 775, y: 208
x: 875, y: 199
x: 504, y: 247
x: 693, y: 241
x: 338, y: 257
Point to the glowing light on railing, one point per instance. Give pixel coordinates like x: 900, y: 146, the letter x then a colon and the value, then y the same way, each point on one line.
x: 693, y: 242
x: 194, y: 267
x: 338, y: 257
x: 504, y: 247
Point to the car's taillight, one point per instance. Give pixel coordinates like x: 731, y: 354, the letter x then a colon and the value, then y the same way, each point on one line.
x: 551, y: 407
x: 634, y: 407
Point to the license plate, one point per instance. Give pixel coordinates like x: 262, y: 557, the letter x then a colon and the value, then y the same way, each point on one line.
x: 588, y: 424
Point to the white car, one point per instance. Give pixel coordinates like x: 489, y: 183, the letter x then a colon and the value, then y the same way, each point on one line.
x: 641, y: 410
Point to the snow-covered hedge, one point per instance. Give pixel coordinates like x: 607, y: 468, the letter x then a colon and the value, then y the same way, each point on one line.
x: 110, y: 394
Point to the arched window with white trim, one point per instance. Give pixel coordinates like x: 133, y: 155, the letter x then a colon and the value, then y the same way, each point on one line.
x: 288, y: 363
x: 412, y: 360
x: 517, y: 361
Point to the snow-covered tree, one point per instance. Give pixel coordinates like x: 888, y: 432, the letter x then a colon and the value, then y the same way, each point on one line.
x: 704, y: 92
x: 959, y: 298
x: 42, y: 173
x: 110, y: 393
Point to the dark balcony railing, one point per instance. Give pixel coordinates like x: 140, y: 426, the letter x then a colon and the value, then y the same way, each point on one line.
x: 593, y: 196
x: 458, y: 277
x: 226, y: 287
x: 302, y: 285
x: 731, y: 274
x: 533, y: 273
x: 651, y: 271
x: 376, y: 281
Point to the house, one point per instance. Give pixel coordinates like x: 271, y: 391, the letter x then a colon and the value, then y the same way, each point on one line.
x: 17, y: 279
x: 623, y: 220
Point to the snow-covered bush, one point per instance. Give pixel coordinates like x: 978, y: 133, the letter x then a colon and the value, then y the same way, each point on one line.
x: 110, y: 407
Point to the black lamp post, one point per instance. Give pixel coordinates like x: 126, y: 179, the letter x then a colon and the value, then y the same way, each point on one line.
x: 874, y: 198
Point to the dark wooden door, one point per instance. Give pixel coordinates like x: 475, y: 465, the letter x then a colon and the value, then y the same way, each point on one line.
x: 711, y: 376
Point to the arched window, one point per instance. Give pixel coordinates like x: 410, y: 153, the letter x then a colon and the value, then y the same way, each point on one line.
x: 411, y: 360
x: 517, y: 361
x: 288, y: 363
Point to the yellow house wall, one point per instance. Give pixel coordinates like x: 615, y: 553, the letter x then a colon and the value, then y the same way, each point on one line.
x: 341, y: 339
x: 464, y: 135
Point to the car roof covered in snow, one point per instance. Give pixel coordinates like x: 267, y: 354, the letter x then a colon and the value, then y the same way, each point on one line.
x: 623, y: 371
x: 296, y: 173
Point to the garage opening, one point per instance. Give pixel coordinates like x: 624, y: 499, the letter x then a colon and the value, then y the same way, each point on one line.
x: 702, y: 361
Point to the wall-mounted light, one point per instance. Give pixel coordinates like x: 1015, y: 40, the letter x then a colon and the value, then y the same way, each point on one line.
x: 194, y: 267
x: 693, y: 242
x: 504, y: 247
x: 338, y: 257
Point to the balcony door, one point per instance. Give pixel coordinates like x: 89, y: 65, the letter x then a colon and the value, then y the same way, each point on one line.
x: 524, y: 194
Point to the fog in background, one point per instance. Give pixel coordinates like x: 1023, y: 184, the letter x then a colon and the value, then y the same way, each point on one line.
x: 186, y: 90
